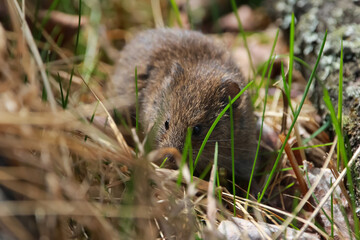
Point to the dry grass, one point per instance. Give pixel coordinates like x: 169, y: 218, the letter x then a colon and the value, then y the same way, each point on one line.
x: 62, y: 176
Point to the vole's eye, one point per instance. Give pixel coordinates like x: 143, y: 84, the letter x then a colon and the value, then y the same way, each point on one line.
x: 167, y: 124
x: 196, y: 130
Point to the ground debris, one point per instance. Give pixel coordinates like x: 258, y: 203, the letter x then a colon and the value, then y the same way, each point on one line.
x: 243, y: 229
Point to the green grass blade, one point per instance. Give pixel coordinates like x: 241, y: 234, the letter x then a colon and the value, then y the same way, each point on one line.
x: 44, y: 95
x: 136, y: 102
x: 332, y: 211
x: 163, y: 163
x: 286, y: 89
x: 340, y: 101
x: 68, y: 89
x: 136, y: 108
x: 217, y: 120
x: 295, y: 202
x: 92, y: 117
x: 191, y: 161
x: 46, y: 48
x: 218, y: 183
x: 206, y: 171
x: 177, y: 12
x: 184, y: 154
x: 61, y: 91
x: 312, y: 146
x: 318, y: 131
x: 232, y: 153
x: 295, y: 118
x: 120, y: 119
x: 216, y: 153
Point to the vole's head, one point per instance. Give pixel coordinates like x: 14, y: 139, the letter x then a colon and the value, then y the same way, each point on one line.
x: 192, y: 97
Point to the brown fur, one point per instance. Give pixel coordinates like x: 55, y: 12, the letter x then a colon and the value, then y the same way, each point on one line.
x: 185, y: 78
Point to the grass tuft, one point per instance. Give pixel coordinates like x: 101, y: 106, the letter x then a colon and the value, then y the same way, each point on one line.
x: 297, y: 113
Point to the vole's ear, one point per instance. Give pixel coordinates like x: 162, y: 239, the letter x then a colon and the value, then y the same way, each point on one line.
x: 230, y: 89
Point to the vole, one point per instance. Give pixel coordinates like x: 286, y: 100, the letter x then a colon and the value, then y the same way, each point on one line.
x: 184, y: 81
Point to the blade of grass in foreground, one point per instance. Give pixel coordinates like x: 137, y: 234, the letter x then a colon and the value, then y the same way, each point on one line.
x: 232, y: 153
x: 205, y: 172
x: 216, y: 122
x: 177, y: 12
x: 92, y: 118
x: 163, y: 163
x: 191, y: 161
x: 340, y: 97
x: 311, y: 146
x: 61, y: 91
x: 286, y: 88
x: 136, y: 102
x: 68, y: 89
x: 318, y: 131
x: 218, y: 184
x: 295, y: 119
x: 345, y: 158
x: 263, y: 114
x: 215, y: 166
x: 184, y: 154
x: 136, y: 108
x: 332, y: 211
